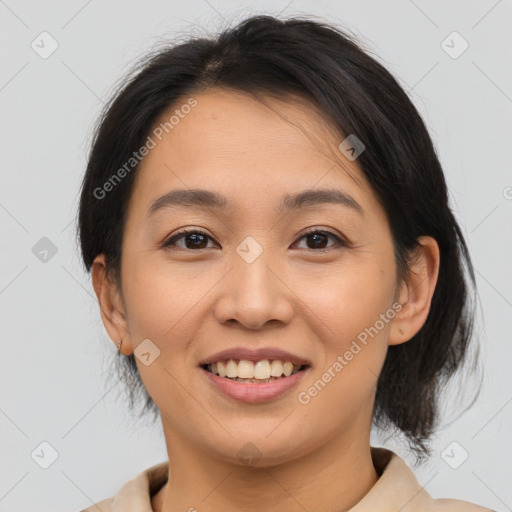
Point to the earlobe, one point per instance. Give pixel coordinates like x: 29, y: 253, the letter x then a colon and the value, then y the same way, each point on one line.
x: 111, y: 307
x: 416, y: 292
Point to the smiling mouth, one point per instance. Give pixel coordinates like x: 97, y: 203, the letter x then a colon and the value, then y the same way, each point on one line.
x: 249, y: 372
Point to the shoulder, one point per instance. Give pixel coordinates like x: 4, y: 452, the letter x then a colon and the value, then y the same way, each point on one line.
x: 135, y: 495
x: 102, y: 506
x: 398, y: 489
x: 442, y: 505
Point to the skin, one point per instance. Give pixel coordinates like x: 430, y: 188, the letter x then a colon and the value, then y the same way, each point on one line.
x: 194, y: 302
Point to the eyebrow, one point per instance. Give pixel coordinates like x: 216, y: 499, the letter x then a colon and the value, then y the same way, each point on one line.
x: 207, y: 199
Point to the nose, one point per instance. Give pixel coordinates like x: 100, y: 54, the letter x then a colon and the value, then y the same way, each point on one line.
x: 255, y: 293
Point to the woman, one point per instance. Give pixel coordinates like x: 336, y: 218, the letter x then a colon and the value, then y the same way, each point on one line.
x: 267, y: 227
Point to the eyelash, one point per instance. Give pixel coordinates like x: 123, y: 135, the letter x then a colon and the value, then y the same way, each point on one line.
x: 184, y: 232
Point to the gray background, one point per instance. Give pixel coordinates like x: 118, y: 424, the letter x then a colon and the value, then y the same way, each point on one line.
x: 55, y: 353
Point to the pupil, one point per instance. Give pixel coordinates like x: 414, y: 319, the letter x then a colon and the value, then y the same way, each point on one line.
x: 195, y: 237
x: 316, y: 239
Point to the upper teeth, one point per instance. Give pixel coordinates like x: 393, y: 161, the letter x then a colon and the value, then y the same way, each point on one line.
x: 248, y: 370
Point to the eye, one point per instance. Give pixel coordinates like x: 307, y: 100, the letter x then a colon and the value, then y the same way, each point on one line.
x: 198, y: 239
x: 318, y: 238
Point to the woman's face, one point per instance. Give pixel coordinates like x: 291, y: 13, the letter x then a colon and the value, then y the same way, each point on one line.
x: 253, y: 280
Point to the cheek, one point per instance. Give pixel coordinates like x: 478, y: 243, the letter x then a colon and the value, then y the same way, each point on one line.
x: 164, y: 305
x: 352, y: 319
x: 347, y: 301
x: 160, y: 307
x: 160, y: 299
x: 354, y: 348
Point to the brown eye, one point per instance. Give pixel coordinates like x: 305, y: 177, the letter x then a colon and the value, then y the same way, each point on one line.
x: 318, y: 239
x: 194, y: 239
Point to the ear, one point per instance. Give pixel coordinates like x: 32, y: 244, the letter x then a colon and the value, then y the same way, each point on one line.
x: 416, y: 292
x: 111, y: 306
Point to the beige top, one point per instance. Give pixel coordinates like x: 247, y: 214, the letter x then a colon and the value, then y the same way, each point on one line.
x: 396, y: 490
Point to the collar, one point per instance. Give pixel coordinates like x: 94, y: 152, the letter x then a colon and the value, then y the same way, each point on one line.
x: 396, y: 490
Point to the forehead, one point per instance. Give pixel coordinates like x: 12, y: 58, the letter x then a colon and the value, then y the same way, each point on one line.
x: 234, y: 143
x: 236, y: 124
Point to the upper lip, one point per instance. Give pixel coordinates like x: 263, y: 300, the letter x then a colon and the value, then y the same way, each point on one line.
x: 250, y: 354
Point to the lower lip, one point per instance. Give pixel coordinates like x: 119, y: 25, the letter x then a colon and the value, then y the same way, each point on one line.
x: 252, y: 392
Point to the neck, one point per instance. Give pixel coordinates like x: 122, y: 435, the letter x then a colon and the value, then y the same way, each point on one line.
x: 333, y: 477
